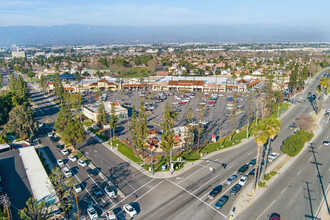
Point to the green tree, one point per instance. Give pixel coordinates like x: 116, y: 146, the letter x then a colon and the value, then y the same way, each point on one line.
x: 5, y: 106
x: 63, y: 117
x: 189, y: 138
x: 113, y: 120
x: 35, y: 210
x: 103, y: 61
x: 167, y: 139
x: 134, y: 124
x: 58, y: 87
x: 63, y: 187
x: 73, y: 133
x: 1, y: 81
x: 21, y: 121
x: 31, y: 74
x: 43, y: 84
x: 142, y: 127
x: 101, y: 115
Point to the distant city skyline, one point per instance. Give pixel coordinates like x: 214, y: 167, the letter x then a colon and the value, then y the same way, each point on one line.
x: 302, y: 13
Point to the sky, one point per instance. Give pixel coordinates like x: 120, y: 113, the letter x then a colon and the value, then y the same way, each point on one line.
x: 302, y: 13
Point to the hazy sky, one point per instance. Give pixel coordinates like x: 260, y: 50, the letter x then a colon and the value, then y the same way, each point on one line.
x: 164, y: 12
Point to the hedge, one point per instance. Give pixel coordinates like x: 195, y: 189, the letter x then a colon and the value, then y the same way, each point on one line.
x: 293, y: 144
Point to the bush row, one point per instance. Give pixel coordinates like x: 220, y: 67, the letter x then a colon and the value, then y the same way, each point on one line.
x: 294, y: 143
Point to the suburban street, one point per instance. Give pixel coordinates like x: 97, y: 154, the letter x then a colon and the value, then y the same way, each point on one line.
x: 186, y: 195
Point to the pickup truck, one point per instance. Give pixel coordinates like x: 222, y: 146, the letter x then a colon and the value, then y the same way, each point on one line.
x: 273, y: 156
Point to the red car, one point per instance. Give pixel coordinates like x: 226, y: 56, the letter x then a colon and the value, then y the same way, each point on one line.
x: 183, y: 102
x: 275, y: 216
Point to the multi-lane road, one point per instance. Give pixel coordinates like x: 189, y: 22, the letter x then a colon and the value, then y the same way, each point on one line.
x: 180, y: 197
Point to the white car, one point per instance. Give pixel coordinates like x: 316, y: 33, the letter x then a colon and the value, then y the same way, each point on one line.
x: 110, y: 215
x: 92, y: 213
x: 65, y: 151
x: 60, y: 162
x: 50, y: 134
x: 243, y: 180
x: 273, y: 156
x: 326, y: 143
x: 72, y: 158
x: 129, y: 210
x: 111, y: 193
x: 67, y: 172
x: 82, y: 163
x: 77, y: 187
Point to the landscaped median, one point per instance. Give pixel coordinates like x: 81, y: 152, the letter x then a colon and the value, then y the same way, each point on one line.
x: 295, y: 143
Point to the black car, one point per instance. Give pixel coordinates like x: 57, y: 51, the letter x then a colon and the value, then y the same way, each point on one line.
x: 96, y: 191
x: 252, y: 162
x: 242, y: 169
x: 91, y: 172
x: 215, y: 191
x: 235, y: 189
x: 252, y: 172
x: 60, y: 146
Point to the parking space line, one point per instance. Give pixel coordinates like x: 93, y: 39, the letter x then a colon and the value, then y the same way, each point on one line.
x: 134, y: 192
x: 197, y: 171
x: 85, y: 188
x: 195, y: 197
x: 265, y: 210
x: 101, y: 189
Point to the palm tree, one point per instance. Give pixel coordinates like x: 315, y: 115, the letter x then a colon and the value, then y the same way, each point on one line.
x: 261, y: 133
x: 274, y: 129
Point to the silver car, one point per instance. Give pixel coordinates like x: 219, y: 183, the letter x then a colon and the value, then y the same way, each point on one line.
x: 231, y: 179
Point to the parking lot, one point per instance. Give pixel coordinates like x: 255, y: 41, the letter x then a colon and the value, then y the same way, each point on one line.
x: 216, y: 113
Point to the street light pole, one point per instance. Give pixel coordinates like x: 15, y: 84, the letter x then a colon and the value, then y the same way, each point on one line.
x: 77, y: 205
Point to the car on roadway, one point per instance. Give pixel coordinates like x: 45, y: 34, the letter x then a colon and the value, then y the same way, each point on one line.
x: 235, y: 189
x: 67, y: 172
x: 275, y: 216
x: 243, y: 180
x: 221, y: 202
x: 326, y: 143
x: 231, y: 179
x: 65, y: 151
x: 242, y: 169
x: 291, y: 126
x: 110, y: 191
x: 91, y: 172
x: 92, y: 213
x: 60, y: 162
x: 215, y: 191
x: 252, y: 172
x: 82, y: 163
x: 77, y: 187
x: 129, y: 210
x: 326, y: 114
x: 110, y: 215
x: 72, y: 158
x: 252, y: 162
x: 273, y: 156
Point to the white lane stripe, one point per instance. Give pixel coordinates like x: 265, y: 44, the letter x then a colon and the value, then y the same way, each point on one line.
x: 195, y: 197
x: 266, y: 209
x: 197, y: 171
x: 283, y: 190
x: 249, y: 153
x: 134, y: 191
x: 298, y: 172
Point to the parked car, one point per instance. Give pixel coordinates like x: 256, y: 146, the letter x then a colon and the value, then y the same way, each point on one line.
x: 215, y: 191
x: 275, y: 216
x: 72, y: 158
x: 91, y: 172
x: 50, y: 134
x: 92, y: 213
x: 291, y: 126
x: 60, y: 162
x: 273, y: 156
x: 111, y: 192
x: 235, y: 189
x: 65, y: 151
x: 67, y: 172
x: 252, y: 172
x: 77, y: 187
x: 96, y: 191
x: 82, y: 163
x: 326, y: 143
x: 243, y: 180
x: 221, y: 202
x: 231, y: 179
x: 242, y: 169
x: 252, y: 162
x: 129, y: 210
x: 110, y: 215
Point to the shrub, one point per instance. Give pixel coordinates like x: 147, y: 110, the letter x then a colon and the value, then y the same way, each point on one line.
x: 293, y: 144
x: 273, y: 173
x: 267, y: 177
x: 261, y: 184
x: 78, y: 154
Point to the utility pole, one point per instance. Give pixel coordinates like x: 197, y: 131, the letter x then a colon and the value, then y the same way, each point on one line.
x: 7, y: 208
x: 152, y: 162
x: 77, y: 205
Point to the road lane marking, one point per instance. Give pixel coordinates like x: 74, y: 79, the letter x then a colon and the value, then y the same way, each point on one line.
x: 101, y: 189
x: 249, y: 153
x: 197, y: 171
x: 134, y: 192
x: 266, y: 209
x: 283, y: 190
x: 298, y: 172
x: 195, y: 197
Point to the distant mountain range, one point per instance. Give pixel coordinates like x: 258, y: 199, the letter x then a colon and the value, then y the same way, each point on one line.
x: 86, y: 34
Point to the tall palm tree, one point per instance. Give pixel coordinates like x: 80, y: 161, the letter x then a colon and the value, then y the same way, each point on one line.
x: 261, y: 133
x: 274, y: 128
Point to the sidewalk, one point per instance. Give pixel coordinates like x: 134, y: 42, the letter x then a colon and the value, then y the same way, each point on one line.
x: 247, y: 197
